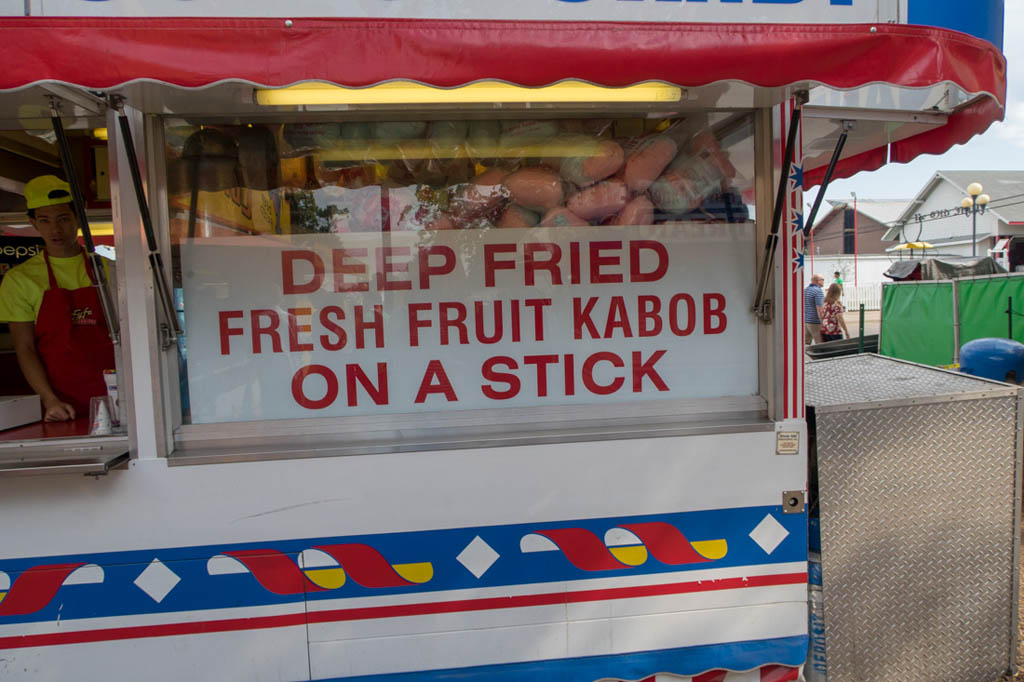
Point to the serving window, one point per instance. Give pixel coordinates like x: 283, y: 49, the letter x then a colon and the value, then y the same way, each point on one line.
x: 59, y: 376
x: 399, y: 267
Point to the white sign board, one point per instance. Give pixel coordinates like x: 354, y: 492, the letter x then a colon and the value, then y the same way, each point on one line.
x: 731, y: 11
x: 357, y: 324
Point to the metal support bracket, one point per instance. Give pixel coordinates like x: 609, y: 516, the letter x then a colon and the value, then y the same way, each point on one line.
x: 760, y: 308
x: 840, y: 143
x: 764, y: 311
x: 170, y: 329
x: 78, y: 201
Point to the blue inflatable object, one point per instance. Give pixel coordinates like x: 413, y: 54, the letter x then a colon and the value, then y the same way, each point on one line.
x: 999, y: 359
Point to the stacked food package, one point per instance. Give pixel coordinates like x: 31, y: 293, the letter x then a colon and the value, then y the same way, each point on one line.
x: 483, y: 174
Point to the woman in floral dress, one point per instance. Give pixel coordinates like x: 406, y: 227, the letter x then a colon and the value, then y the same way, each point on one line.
x: 833, y: 326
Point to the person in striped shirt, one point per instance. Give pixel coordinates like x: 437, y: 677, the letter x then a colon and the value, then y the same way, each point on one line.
x: 814, y: 299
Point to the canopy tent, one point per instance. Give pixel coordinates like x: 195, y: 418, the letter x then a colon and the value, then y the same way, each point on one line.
x: 946, y: 267
x: 920, y: 246
x: 150, y: 60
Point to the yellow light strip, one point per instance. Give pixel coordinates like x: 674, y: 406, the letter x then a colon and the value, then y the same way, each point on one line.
x: 485, y: 92
x: 420, y: 149
x: 99, y: 133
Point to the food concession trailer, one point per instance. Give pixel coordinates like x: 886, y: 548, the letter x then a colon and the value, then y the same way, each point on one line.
x: 454, y: 342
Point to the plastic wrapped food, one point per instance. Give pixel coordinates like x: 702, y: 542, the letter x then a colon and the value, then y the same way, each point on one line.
x: 461, y: 174
x: 440, y: 172
x: 355, y: 131
x: 673, y: 193
x: 470, y: 202
x: 385, y: 132
x: 535, y: 188
x: 605, y: 160
x: 517, y: 216
x: 639, y: 211
x: 562, y: 217
x: 447, y: 134
x: 527, y: 132
x: 599, y: 201
x: 647, y: 161
x: 482, y: 140
x: 441, y: 221
x: 491, y: 176
x: 702, y: 170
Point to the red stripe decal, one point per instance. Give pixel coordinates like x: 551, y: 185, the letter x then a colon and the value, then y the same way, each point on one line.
x: 665, y: 542
x: 33, y: 589
x: 711, y: 676
x: 786, y: 341
x: 365, y: 565
x: 275, y: 571
x: 583, y: 549
x: 779, y: 673
x: 396, y: 611
x: 791, y: 273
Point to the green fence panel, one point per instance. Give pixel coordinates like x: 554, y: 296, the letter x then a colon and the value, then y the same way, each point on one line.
x: 917, y: 322
x: 983, y: 308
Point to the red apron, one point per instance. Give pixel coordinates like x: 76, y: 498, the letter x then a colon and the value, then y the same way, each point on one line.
x: 73, y: 342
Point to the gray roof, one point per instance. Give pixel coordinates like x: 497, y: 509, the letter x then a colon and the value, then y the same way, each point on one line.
x: 944, y: 241
x: 885, y: 211
x: 1006, y: 189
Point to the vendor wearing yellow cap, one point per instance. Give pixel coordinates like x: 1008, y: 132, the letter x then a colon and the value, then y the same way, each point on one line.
x: 53, y: 309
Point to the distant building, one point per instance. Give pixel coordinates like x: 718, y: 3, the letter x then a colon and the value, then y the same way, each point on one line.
x: 935, y: 216
x: 843, y: 232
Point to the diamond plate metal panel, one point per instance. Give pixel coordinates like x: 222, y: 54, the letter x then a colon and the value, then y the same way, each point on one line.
x: 864, y: 378
x: 918, y: 541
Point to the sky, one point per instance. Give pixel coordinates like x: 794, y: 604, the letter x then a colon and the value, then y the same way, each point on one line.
x: 1001, y: 147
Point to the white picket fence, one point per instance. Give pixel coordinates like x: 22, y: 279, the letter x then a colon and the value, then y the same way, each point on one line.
x: 866, y: 272
x: 870, y: 295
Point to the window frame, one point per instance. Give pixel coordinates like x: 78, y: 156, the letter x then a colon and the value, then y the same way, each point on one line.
x: 185, y: 444
x: 88, y: 454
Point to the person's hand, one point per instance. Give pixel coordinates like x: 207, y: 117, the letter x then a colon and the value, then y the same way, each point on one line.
x: 56, y: 410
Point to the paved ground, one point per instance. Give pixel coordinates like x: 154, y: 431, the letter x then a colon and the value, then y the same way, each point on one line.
x: 872, y: 321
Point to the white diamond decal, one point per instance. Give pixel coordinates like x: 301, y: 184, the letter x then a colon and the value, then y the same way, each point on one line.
x: 768, y: 534
x: 157, y: 580
x: 477, y: 557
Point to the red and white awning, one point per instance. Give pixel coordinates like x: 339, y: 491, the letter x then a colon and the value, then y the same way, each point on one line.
x: 105, y: 53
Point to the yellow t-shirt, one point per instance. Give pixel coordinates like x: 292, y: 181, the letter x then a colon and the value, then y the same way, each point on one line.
x: 22, y: 288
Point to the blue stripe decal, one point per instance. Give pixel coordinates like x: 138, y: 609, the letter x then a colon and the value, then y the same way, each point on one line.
x: 788, y: 651
x: 980, y: 18
x: 449, y: 559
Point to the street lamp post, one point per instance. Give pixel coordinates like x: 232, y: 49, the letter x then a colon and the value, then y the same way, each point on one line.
x: 972, y: 202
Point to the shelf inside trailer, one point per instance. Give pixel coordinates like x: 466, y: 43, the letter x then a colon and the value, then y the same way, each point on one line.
x: 59, y: 448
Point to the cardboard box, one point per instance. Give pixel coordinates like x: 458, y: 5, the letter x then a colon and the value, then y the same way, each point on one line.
x: 18, y: 410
